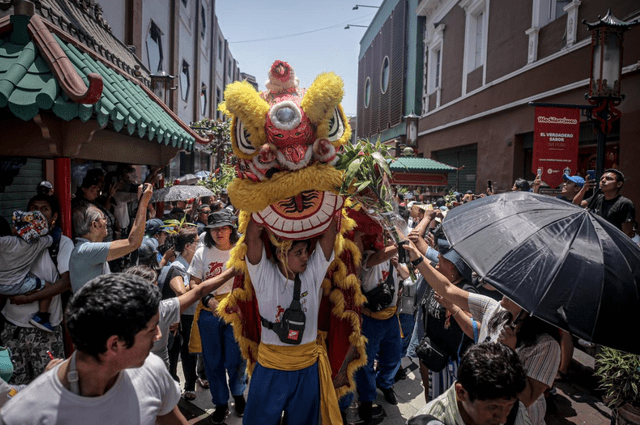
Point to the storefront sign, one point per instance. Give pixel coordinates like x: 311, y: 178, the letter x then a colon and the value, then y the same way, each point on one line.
x: 555, y: 143
x: 420, y: 179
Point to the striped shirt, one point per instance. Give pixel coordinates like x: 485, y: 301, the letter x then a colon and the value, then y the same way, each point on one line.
x: 445, y: 408
x: 540, y: 360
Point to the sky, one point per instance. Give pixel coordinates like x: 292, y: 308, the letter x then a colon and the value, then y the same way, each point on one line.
x: 308, y: 34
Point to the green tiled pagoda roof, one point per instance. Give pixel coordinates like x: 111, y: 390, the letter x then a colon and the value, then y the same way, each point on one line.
x: 417, y: 165
x: 28, y: 86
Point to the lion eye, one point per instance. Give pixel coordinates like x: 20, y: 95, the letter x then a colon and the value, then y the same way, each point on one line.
x: 242, y: 139
x: 336, y: 126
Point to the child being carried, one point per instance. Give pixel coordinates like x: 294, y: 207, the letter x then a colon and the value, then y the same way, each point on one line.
x: 17, y: 254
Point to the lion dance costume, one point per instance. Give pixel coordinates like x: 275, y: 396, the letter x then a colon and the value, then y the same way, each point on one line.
x: 286, y: 140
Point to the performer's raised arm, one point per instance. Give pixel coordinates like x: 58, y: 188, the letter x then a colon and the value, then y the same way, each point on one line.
x: 328, y: 238
x: 254, y: 242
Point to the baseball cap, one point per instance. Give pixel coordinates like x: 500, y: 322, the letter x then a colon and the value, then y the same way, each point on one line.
x: 44, y: 187
x: 447, y: 252
x: 154, y: 226
x: 220, y: 219
x: 575, y: 179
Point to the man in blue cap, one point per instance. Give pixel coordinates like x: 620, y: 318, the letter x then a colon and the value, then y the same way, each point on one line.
x: 570, y: 187
x: 154, y: 237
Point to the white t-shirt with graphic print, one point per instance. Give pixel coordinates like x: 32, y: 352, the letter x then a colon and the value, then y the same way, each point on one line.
x: 377, y: 275
x: 208, y: 263
x: 274, y: 293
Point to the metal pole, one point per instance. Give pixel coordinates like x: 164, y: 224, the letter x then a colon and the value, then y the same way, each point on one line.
x: 602, y: 141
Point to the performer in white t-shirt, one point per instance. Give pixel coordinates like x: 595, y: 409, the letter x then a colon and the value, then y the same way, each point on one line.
x: 286, y: 376
x: 111, y: 377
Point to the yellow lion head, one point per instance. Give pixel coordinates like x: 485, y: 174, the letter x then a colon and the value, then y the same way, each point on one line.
x: 286, y: 140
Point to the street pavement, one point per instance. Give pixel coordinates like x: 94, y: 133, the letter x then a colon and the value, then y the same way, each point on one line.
x: 576, y: 401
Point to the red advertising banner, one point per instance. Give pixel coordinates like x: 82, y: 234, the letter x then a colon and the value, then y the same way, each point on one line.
x: 555, y: 143
x: 420, y: 179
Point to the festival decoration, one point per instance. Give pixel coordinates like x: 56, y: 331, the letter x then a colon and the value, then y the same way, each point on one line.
x: 367, y: 182
x: 286, y: 141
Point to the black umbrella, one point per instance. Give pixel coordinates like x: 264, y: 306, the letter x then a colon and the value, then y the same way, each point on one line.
x: 556, y: 260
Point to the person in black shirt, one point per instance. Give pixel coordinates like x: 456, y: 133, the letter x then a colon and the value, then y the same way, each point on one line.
x: 608, y: 203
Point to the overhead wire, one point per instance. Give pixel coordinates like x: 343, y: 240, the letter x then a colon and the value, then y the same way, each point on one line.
x: 279, y: 37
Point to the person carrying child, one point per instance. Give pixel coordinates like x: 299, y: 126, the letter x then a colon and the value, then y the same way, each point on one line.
x: 18, y: 253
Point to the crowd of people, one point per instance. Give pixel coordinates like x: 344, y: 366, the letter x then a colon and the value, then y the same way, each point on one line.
x: 134, y: 284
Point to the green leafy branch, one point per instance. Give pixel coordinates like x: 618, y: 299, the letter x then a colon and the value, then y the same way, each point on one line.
x: 217, y: 131
x: 220, y: 179
x: 366, y: 167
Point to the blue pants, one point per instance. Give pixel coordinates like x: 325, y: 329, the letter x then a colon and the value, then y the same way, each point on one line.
x: 384, y: 342
x: 273, y: 391
x: 407, y: 321
x: 221, y: 356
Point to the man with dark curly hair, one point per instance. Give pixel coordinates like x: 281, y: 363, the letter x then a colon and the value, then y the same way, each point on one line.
x: 490, y: 377
x: 111, y: 377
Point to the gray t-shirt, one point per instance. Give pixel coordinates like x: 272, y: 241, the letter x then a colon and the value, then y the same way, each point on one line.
x: 169, y: 313
x: 88, y: 260
x: 17, y: 256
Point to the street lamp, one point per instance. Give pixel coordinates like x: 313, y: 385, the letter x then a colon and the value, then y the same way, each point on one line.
x: 352, y: 25
x: 357, y: 6
x: 411, y: 121
x: 606, y: 74
x: 161, y: 85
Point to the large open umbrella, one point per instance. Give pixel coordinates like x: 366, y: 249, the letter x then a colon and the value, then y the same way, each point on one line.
x: 179, y: 193
x: 558, y: 261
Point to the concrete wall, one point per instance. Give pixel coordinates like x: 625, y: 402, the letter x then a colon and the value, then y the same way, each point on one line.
x: 112, y: 12
x: 188, y: 34
x: 158, y: 11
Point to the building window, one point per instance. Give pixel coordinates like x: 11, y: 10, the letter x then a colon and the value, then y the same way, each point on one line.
x: 203, y: 18
x: 184, y: 81
x: 550, y: 10
x: 203, y: 100
x: 436, y: 68
x: 384, y: 75
x: 367, y: 92
x: 479, y: 41
x: 475, y: 35
x: 154, y: 48
x: 230, y: 66
x: 218, y: 101
x: 433, y: 51
x: 220, y: 49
